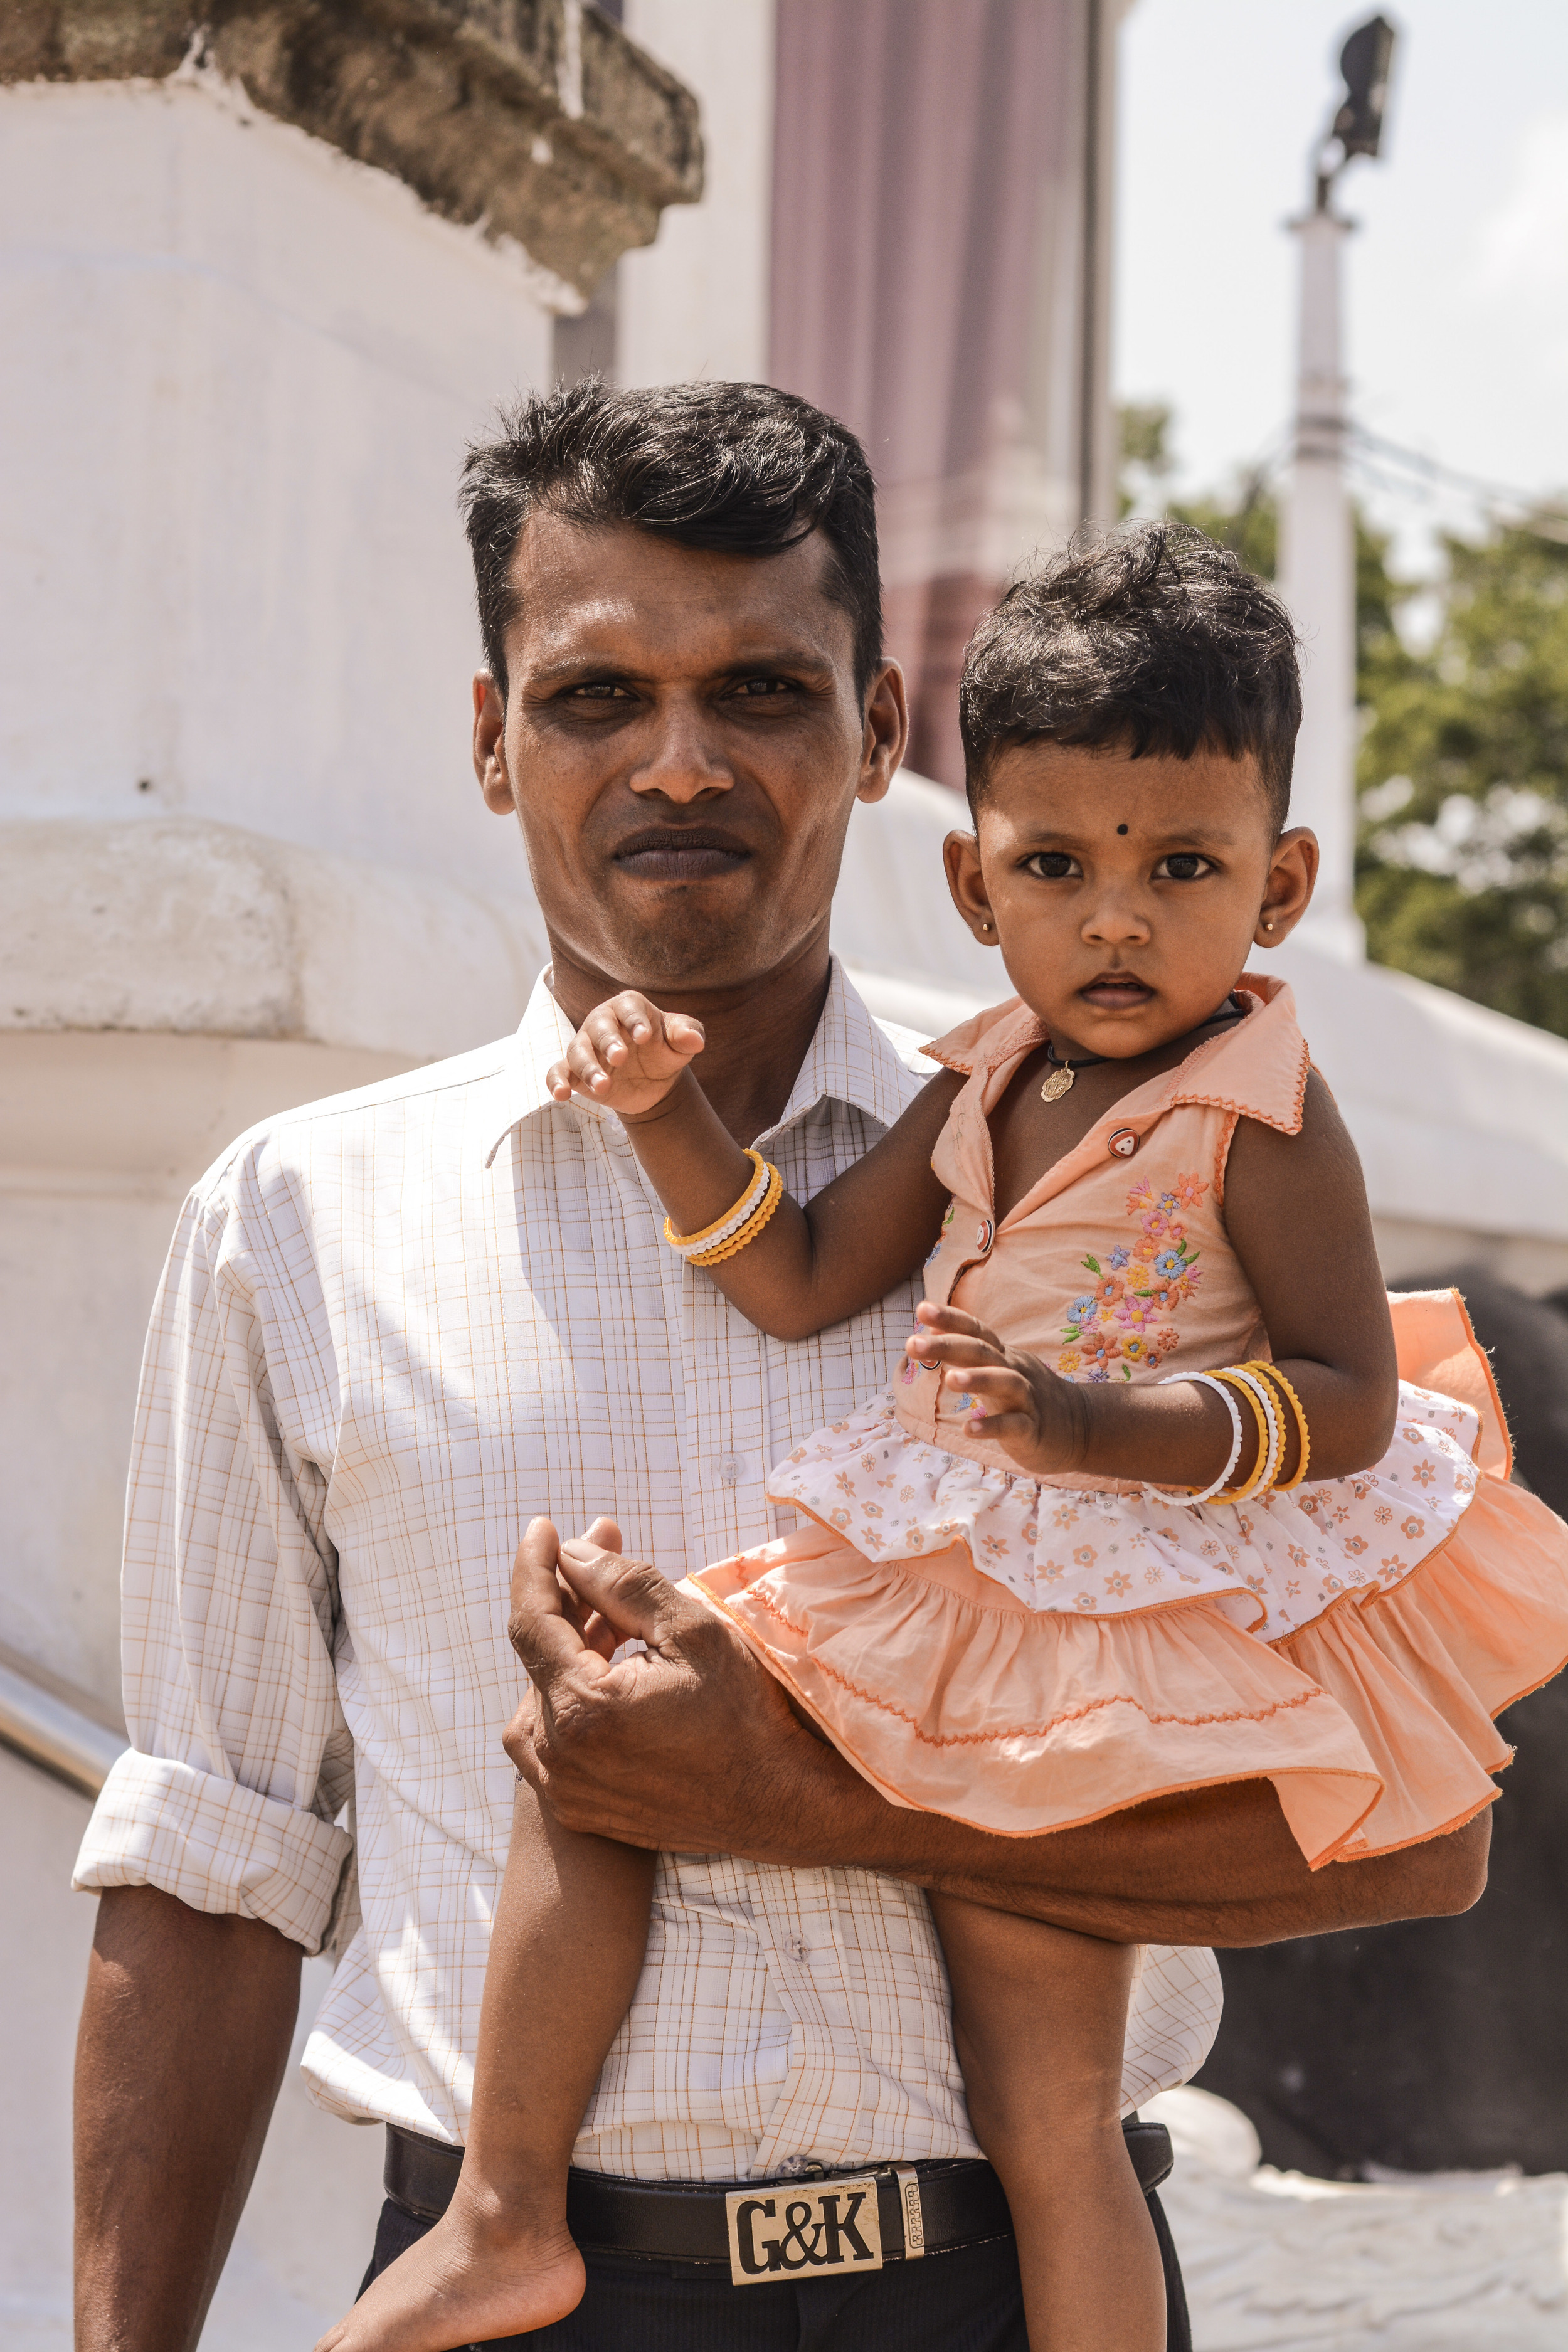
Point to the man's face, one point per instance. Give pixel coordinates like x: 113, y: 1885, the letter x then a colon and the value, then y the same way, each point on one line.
x: 682, y: 744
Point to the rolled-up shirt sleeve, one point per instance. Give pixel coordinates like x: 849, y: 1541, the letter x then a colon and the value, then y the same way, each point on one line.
x: 240, y: 1757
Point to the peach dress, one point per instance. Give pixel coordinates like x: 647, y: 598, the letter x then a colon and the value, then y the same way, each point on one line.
x: 1024, y: 1653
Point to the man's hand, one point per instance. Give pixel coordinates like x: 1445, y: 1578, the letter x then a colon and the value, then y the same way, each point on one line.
x: 627, y: 1055
x: 654, y: 1751
x: 693, y: 1748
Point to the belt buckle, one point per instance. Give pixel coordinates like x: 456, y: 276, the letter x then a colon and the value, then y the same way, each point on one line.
x: 791, y: 2228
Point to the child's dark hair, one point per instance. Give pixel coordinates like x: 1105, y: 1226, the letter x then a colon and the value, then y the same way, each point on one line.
x: 1151, y: 638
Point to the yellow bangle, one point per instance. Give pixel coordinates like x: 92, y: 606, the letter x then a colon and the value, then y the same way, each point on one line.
x: 1240, y: 1388
x: 722, y: 1226
x: 735, y: 1243
x: 1273, y: 1373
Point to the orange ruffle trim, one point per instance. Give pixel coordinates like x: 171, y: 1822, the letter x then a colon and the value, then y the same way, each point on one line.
x: 1374, y: 1723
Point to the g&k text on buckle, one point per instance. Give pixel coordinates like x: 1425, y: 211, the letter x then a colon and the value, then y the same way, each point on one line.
x: 783, y: 2231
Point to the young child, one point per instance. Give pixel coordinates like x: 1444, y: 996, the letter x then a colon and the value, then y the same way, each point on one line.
x: 1146, y: 1506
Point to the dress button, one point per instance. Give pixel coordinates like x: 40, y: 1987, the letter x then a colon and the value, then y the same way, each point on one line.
x: 984, y: 1234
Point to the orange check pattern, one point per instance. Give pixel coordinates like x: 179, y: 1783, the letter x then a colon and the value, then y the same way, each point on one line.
x: 392, y: 1327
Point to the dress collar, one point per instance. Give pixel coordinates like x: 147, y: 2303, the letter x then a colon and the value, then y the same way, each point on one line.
x: 850, y: 1061
x: 1257, y: 1066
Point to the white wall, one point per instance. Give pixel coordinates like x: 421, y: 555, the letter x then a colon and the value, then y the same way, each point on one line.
x: 236, y: 373
x: 695, y: 302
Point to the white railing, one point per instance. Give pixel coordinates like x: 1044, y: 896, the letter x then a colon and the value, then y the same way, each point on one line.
x: 54, y: 1735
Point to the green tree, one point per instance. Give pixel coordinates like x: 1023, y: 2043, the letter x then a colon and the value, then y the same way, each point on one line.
x: 1462, y: 865
x: 1462, y: 872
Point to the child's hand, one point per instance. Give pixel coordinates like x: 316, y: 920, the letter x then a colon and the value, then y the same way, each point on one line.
x: 1033, y: 1414
x: 627, y: 1055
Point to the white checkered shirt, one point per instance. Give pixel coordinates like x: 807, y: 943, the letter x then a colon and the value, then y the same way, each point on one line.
x: 393, y: 1326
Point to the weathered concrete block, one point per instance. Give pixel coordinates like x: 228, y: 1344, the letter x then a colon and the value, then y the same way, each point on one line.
x: 538, y: 120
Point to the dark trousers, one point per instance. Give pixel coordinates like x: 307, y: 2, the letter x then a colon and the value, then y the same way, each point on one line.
x: 966, y: 2301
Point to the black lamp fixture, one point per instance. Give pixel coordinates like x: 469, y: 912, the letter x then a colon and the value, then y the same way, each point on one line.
x: 1357, y: 127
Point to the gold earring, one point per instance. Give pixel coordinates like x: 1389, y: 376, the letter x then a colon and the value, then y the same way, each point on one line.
x: 985, y: 926
x: 1269, y: 926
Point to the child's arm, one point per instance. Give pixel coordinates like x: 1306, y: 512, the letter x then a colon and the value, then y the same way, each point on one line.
x: 809, y: 1266
x: 1295, y: 1211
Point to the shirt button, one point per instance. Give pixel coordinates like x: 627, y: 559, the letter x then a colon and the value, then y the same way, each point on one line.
x: 732, y: 1469
x: 796, y: 1947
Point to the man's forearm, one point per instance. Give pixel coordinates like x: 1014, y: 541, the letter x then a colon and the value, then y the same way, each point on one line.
x: 694, y: 1748
x: 185, y: 2036
x: 1212, y: 1867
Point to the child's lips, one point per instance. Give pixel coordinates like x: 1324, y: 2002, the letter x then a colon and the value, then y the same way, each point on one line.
x: 1116, y: 992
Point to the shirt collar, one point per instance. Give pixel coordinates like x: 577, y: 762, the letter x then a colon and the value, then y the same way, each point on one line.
x: 850, y: 1061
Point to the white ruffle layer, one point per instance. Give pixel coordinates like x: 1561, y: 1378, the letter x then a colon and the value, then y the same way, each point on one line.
x: 1278, y: 1563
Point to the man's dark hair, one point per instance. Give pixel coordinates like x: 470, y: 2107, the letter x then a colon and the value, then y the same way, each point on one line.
x: 738, y: 467
x: 1151, y: 638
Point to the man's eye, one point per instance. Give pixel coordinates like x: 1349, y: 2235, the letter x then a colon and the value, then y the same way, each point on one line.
x: 1181, y: 865
x: 598, y: 689
x: 756, y: 688
x: 1052, y: 864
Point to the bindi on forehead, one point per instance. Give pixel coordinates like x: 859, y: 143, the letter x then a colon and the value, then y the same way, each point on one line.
x: 1122, y: 828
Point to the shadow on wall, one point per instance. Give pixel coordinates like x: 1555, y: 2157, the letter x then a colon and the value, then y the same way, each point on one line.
x: 1437, y: 2045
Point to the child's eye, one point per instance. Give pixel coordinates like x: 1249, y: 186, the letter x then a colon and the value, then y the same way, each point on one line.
x: 1051, y: 864
x: 1181, y: 865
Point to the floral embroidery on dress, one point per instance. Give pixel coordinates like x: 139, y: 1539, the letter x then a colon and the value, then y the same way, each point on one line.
x: 1123, y: 1322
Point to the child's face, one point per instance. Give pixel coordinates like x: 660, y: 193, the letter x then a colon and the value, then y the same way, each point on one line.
x: 1126, y: 894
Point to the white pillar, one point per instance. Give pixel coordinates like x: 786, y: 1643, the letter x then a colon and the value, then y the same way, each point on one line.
x: 1317, y: 578
x: 695, y: 302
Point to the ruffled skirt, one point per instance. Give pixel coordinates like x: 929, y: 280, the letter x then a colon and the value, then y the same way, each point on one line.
x: 1017, y: 1708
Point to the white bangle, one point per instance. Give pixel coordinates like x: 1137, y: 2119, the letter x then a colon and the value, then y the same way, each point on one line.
x: 1204, y: 1381
x: 1272, y: 1420
x: 693, y: 1244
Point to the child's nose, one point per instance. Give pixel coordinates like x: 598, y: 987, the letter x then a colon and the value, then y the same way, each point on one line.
x: 1118, y: 916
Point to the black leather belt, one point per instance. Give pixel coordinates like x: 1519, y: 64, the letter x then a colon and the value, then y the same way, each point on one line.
x: 961, y: 2201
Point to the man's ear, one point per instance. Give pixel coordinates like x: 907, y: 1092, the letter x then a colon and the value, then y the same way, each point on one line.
x: 1287, y: 892
x: 961, y: 857
x: 886, y: 735
x: 489, y: 745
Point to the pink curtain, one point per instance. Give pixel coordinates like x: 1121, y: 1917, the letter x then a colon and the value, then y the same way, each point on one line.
x: 926, y: 266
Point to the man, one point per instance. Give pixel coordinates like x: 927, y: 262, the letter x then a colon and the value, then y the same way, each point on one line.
x: 397, y: 1325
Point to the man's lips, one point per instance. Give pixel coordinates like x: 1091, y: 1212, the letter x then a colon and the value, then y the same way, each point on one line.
x: 674, y: 853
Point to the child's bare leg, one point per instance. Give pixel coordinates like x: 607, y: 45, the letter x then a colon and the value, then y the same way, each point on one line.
x: 570, y: 1932
x: 1039, y: 2018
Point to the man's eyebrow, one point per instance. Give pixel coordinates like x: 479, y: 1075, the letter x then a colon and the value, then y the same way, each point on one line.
x: 576, y: 666
x: 590, y: 669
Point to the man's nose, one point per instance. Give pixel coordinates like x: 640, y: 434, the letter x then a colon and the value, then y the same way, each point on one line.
x: 681, y: 761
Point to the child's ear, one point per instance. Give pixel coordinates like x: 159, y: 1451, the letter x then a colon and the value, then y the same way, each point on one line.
x: 1287, y: 892
x: 960, y: 855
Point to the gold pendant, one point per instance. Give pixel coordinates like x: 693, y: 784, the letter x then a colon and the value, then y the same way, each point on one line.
x: 1058, y: 1084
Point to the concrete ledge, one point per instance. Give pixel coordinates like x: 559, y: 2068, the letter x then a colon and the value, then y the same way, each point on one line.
x: 180, y: 924
x: 86, y: 1114
x: 537, y: 119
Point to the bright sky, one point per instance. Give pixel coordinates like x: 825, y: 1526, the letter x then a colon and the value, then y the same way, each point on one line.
x: 1457, y: 285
